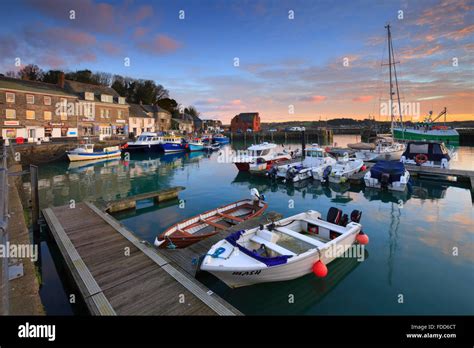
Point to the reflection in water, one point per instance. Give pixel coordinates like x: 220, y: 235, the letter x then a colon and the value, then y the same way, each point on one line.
x: 411, y: 234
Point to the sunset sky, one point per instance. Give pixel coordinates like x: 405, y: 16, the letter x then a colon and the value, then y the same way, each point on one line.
x: 282, y: 61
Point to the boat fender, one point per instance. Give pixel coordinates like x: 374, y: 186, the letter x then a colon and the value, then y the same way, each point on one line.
x: 320, y: 269
x: 362, y: 238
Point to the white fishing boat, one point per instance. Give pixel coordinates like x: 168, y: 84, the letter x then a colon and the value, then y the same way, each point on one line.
x: 427, y: 154
x: 341, y: 170
x: 264, y: 152
x: 147, y: 141
x: 283, y: 250
x: 389, y: 175
x: 316, y: 160
x: 383, y: 149
x: 85, y: 152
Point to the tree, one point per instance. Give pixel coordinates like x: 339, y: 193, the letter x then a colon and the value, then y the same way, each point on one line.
x: 120, y: 85
x: 51, y: 76
x: 102, y: 78
x: 191, y: 110
x: 31, y: 72
x: 168, y: 104
x: 81, y: 76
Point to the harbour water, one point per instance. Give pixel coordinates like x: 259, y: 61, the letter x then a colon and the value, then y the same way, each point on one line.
x: 419, y: 260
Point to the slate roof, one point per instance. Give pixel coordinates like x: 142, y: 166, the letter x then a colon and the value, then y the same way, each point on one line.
x: 137, y: 110
x: 32, y: 86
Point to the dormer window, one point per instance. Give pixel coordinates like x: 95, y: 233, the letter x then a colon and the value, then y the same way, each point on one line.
x: 89, y: 96
x: 106, y: 98
x: 121, y: 100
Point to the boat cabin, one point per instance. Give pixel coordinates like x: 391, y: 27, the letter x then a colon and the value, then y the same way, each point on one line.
x: 435, y: 152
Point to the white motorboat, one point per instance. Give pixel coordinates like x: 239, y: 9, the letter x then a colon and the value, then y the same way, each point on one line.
x: 341, y: 171
x: 283, y: 250
x: 264, y: 152
x: 427, y: 154
x: 85, y: 152
x: 315, y: 161
x: 390, y: 175
x: 147, y: 141
x: 383, y: 149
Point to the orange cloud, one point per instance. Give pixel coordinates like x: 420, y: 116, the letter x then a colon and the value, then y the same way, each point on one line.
x: 314, y: 98
x: 363, y: 98
x: 236, y: 102
x: 161, y: 44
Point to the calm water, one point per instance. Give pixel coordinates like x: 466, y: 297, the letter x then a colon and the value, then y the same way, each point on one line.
x: 412, y: 235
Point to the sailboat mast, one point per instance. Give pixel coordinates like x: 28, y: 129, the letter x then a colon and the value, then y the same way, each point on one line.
x: 389, y: 38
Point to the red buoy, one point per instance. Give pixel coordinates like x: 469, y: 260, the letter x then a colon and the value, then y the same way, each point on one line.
x: 362, y: 238
x: 363, y: 168
x: 320, y: 269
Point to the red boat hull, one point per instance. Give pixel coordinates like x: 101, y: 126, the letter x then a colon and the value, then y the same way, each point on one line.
x: 244, y: 166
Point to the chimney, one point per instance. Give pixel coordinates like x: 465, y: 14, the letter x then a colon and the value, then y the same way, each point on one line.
x: 61, y: 79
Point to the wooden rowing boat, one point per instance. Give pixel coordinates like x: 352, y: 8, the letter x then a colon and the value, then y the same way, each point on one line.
x: 209, y: 223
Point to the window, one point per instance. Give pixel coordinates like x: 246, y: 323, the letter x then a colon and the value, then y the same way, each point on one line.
x: 89, y: 96
x: 119, y: 113
x: 10, y: 113
x: 30, y: 99
x: 63, y: 116
x: 48, y: 132
x: 47, y: 115
x: 121, y: 100
x: 47, y: 100
x: 10, y: 97
x: 30, y: 115
x: 107, y: 111
x: 106, y: 98
x: 101, y: 113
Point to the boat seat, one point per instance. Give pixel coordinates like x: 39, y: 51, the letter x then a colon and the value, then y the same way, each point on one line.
x: 216, y: 225
x: 231, y: 217
x: 300, y: 236
x: 272, y: 246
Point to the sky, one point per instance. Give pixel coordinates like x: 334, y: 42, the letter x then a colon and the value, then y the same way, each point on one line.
x: 287, y: 60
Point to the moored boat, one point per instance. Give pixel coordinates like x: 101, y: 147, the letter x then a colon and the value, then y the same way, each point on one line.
x: 315, y: 161
x: 389, y: 175
x: 341, y: 170
x: 173, y: 144
x: 220, y: 138
x: 427, y: 154
x: 211, y: 222
x: 147, y: 141
x: 383, y: 149
x: 85, y: 152
x: 266, y: 154
x: 196, y: 145
x: 283, y: 250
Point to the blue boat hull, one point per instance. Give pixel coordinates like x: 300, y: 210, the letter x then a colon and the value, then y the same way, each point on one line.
x: 224, y: 140
x: 143, y: 148
x: 193, y: 147
x: 173, y: 147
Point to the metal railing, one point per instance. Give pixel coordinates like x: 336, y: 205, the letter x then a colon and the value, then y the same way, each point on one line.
x: 4, y: 284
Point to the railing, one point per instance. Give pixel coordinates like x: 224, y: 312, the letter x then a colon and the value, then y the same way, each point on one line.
x: 4, y: 287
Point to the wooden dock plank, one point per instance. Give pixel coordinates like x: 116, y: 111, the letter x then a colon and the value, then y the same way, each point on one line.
x: 118, y: 274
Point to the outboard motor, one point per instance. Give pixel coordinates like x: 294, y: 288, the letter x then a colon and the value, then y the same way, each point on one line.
x: 384, y: 180
x: 272, y: 172
x: 334, y: 215
x: 327, y: 171
x: 356, y: 216
x: 344, y: 220
x: 290, y: 173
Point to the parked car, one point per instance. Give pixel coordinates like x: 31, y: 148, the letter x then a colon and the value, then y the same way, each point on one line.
x: 273, y: 130
x: 296, y: 129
